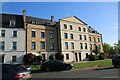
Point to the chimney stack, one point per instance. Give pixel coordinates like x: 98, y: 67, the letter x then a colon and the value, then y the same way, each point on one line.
x: 24, y: 15
x: 52, y: 18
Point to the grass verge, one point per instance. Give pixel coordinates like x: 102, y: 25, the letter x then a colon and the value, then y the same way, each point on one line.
x: 99, y: 63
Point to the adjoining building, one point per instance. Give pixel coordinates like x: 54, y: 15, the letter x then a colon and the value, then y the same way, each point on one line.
x: 12, y: 42
x: 70, y: 36
x: 41, y: 36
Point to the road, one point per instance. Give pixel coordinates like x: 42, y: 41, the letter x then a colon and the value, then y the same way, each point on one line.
x: 94, y: 73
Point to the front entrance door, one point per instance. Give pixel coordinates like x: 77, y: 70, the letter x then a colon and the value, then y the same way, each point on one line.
x: 2, y: 58
x: 76, y: 57
x: 79, y: 56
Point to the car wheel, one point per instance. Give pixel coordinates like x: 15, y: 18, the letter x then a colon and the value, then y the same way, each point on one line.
x: 68, y: 68
x: 47, y: 69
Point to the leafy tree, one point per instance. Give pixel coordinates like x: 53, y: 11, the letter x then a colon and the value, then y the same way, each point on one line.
x: 59, y: 56
x: 96, y: 51
x: 106, y: 49
x: 28, y: 58
x: 112, y: 51
x: 117, y: 47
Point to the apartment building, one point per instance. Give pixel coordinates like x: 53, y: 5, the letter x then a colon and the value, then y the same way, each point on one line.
x: 74, y: 39
x: 95, y: 39
x: 12, y: 39
x: 41, y: 36
x: 70, y: 36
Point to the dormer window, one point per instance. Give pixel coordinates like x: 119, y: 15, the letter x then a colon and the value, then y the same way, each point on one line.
x: 34, y: 22
x: 12, y: 23
x: 47, y: 24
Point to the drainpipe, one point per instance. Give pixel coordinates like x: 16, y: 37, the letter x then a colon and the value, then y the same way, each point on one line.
x: 25, y: 27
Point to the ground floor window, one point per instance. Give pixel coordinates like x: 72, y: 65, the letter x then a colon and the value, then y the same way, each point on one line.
x: 67, y: 56
x: 13, y: 58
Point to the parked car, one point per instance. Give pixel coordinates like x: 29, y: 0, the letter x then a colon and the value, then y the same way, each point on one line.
x: 116, y: 61
x: 24, y: 67
x: 12, y: 72
x: 55, y: 65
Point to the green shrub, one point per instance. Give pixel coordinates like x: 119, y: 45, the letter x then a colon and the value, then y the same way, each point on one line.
x: 92, y: 57
x: 51, y: 57
x: 101, y: 56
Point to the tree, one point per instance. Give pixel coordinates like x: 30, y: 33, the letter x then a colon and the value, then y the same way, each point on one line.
x: 117, y: 47
x: 96, y: 51
x: 28, y: 58
x: 59, y: 56
x: 112, y: 52
x: 106, y: 49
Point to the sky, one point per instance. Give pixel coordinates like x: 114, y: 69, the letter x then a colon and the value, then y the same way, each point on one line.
x: 102, y: 16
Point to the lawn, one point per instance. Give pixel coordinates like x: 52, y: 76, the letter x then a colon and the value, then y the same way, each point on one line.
x: 99, y: 63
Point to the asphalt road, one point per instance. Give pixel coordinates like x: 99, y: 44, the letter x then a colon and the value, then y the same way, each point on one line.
x: 94, y: 73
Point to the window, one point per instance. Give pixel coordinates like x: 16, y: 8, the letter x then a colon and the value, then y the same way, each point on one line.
x: 33, y: 34
x: 95, y: 46
x: 52, y: 46
x: 71, y: 28
x: 42, y: 45
x: 33, y: 45
x: 2, y: 45
x: 84, y: 30
x: 14, y: 45
x: 13, y: 58
x: 90, y: 46
x: 85, y: 37
x: 87, y: 56
x: 12, y: 23
x: 34, y: 22
x: 85, y: 45
x: 94, y: 39
x: 14, y: 33
x: 99, y: 47
x: 71, y: 36
x: 80, y: 36
x: 51, y: 35
x: 81, y: 46
x: 67, y: 56
x: 90, y: 39
x: 66, y: 45
x: 79, y: 28
x: 42, y: 34
x: 3, y: 33
x: 72, y: 45
x: 65, y: 26
x: 98, y: 39
x: 65, y: 35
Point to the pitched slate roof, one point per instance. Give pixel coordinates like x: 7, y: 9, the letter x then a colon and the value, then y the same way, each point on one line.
x: 6, y: 18
x: 40, y: 21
